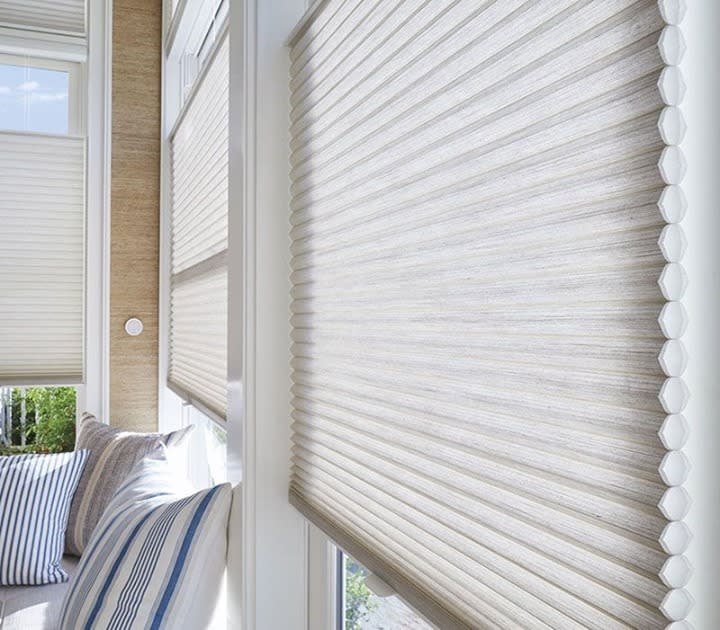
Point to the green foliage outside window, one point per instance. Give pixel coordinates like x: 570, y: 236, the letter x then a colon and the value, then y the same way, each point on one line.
x: 49, y: 420
x: 358, y: 597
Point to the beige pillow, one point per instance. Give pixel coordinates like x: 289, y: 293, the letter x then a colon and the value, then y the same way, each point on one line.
x: 113, y: 455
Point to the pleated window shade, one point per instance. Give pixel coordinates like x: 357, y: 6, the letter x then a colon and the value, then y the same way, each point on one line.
x: 61, y: 16
x: 42, y: 258
x: 199, y: 226
x: 477, y: 244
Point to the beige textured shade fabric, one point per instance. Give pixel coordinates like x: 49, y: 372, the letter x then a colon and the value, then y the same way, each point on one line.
x: 199, y: 226
x: 42, y: 258
x: 475, y: 306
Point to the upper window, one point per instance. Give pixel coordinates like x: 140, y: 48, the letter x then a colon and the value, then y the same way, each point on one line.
x: 201, y: 42
x: 38, y: 95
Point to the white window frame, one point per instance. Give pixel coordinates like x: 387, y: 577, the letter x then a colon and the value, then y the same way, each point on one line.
x: 269, y: 565
x: 97, y: 73
x: 15, y: 41
x: 326, y: 600
x: 76, y: 86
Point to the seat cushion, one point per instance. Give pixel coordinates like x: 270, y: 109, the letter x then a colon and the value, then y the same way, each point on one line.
x: 34, y: 607
x: 113, y: 454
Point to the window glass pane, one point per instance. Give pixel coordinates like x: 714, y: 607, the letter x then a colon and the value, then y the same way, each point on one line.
x: 12, y: 98
x: 37, y: 419
x: 206, y: 455
x: 47, y: 100
x: 216, y: 452
x: 34, y: 99
x: 365, y: 611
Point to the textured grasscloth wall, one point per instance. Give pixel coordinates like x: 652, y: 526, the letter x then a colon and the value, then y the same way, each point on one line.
x: 136, y: 54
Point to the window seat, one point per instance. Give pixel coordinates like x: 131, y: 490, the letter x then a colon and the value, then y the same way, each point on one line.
x: 34, y: 607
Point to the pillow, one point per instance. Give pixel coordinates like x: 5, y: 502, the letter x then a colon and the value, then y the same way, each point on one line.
x: 113, y: 454
x: 35, y: 495
x: 156, y: 559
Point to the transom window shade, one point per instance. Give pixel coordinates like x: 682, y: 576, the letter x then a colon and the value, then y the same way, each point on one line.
x: 63, y: 16
x: 199, y: 226
x: 42, y: 257
x: 477, y: 395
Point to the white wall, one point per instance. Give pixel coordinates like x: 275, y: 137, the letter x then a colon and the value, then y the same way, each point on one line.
x: 701, y: 68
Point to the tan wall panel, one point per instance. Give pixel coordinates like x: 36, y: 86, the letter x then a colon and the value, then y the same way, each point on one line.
x: 135, y: 199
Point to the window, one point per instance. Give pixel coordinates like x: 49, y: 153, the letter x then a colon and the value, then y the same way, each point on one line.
x: 477, y: 317
x: 50, y: 310
x: 198, y: 224
x: 194, y: 241
x: 202, y: 42
x: 40, y: 96
x: 213, y: 33
x: 205, y: 461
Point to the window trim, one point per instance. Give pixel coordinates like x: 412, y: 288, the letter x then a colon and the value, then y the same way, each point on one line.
x: 269, y: 553
x: 14, y: 41
x: 97, y: 101
x: 325, y: 596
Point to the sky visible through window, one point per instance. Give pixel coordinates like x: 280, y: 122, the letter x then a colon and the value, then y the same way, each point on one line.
x: 33, y: 99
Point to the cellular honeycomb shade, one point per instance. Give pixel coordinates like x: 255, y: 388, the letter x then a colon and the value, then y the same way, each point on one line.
x: 199, y: 227
x: 42, y: 258
x: 63, y: 16
x: 477, y: 394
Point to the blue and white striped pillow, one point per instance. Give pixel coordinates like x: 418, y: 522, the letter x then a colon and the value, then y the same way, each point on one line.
x: 35, y: 496
x: 156, y: 558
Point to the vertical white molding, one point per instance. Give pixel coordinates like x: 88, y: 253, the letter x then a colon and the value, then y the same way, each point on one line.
x: 164, y: 245
x: 267, y: 570
x: 322, y: 567
x: 701, y: 224
x: 241, y: 341
x: 99, y: 75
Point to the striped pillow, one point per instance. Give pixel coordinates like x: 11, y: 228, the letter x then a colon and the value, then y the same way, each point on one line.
x: 156, y: 559
x: 35, y: 495
x: 113, y: 454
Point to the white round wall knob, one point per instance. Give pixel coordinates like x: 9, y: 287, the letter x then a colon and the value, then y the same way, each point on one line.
x: 133, y: 326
